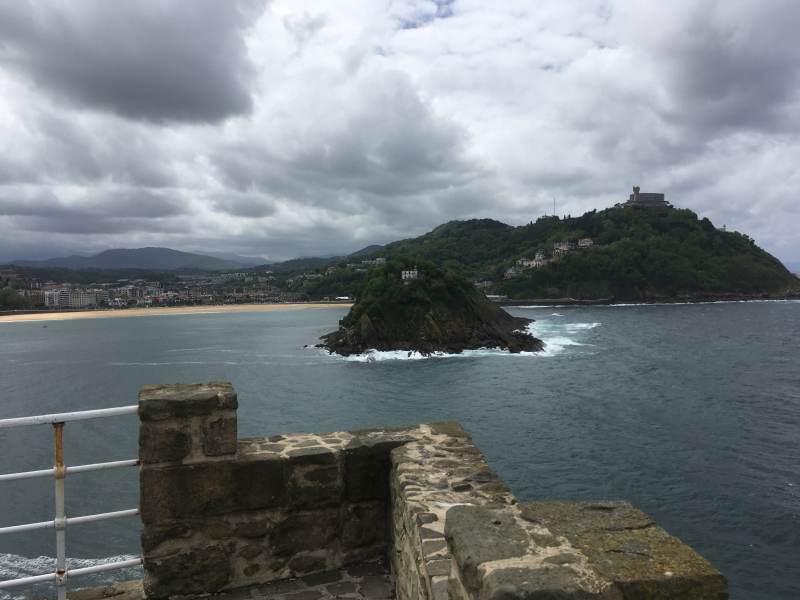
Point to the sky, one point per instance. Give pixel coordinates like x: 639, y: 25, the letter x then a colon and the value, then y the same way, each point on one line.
x: 295, y: 128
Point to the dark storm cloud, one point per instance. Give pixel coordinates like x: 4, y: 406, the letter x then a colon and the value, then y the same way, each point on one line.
x: 65, y: 150
x: 389, y: 153
x: 364, y: 122
x: 144, y: 59
x: 112, y: 204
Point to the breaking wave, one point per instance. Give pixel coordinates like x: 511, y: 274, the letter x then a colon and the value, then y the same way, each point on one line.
x: 14, y: 566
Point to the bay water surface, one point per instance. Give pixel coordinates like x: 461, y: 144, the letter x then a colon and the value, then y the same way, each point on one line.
x: 690, y: 412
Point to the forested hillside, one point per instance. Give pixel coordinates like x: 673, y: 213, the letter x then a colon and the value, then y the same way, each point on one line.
x: 637, y: 253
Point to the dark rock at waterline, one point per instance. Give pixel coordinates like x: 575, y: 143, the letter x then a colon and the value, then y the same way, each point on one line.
x: 434, y: 312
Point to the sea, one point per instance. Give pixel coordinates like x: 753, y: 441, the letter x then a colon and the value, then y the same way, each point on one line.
x: 691, y: 412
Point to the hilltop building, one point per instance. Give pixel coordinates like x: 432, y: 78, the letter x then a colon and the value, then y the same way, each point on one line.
x: 645, y: 199
x: 409, y: 275
x: 585, y: 242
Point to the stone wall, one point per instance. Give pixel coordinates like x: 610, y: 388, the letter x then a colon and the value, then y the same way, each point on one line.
x: 458, y: 532
x: 220, y: 513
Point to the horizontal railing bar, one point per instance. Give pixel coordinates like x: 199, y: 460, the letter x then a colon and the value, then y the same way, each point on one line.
x: 114, y: 464
x: 76, y: 469
x: 27, y: 475
x: 27, y: 580
x: 122, y: 564
x: 117, y: 514
x: 28, y: 527
x: 133, y: 562
x: 131, y: 512
x: 69, y: 416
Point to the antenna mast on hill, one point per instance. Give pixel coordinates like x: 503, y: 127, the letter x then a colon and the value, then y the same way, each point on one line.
x: 554, y: 206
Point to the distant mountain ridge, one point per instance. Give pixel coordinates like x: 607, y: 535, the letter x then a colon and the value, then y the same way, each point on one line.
x: 150, y: 258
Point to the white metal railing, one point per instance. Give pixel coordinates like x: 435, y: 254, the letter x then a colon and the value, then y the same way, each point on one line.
x: 61, y: 521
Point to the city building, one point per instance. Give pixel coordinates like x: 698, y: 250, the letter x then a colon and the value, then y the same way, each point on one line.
x: 585, y: 242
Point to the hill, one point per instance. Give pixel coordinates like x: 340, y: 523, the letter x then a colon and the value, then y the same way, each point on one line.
x: 435, y: 311
x: 637, y: 254
x: 157, y: 259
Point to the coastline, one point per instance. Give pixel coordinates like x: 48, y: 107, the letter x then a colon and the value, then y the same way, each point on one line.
x: 162, y: 311
x: 710, y: 299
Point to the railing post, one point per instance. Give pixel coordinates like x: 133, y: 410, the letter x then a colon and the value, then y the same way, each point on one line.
x: 60, y: 516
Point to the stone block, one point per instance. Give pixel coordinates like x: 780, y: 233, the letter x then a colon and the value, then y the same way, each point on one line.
x: 185, y: 491
x: 450, y: 428
x: 364, y: 525
x: 551, y: 583
x: 478, y: 535
x: 199, y: 571
x: 304, y: 531
x: 152, y: 536
x: 219, y: 435
x: 159, y: 402
x: 626, y: 547
x: 164, y: 441
x: 259, y: 482
x: 315, y: 479
x: 366, y: 468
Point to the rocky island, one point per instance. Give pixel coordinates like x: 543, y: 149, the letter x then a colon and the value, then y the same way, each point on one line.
x: 426, y: 309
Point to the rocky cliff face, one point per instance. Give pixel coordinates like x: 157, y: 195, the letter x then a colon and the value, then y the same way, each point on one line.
x: 438, y: 312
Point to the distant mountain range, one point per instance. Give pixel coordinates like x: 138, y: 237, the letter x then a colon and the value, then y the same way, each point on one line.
x: 154, y: 259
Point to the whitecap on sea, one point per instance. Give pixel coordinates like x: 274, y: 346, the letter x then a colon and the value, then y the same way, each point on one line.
x: 14, y: 566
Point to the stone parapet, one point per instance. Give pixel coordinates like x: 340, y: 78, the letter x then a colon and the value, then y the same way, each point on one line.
x: 459, y: 533
x: 220, y: 513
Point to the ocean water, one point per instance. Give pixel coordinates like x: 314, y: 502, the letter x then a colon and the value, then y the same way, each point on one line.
x: 691, y: 412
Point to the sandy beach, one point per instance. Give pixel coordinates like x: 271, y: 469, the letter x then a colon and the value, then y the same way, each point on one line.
x: 162, y: 311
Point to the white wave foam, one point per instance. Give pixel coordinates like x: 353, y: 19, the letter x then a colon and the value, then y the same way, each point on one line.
x: 13, y: 566
x: 383, y: 355
x: 581, y: 326
x: 556, y: 315
x: 161, y: 364
x: 553, y: 346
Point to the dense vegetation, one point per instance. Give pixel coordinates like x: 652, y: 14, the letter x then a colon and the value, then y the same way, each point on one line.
x: 438, y: 311
x: 638, y: 254
x: 385, y: 296
x: 11, y: 300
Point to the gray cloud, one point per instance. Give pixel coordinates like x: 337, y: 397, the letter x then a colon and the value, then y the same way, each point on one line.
x: 368, y: 123
x: 144, y: 59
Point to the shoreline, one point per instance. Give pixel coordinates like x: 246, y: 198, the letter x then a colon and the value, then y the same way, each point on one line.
x: 161, y: 311
x: 544, y: 302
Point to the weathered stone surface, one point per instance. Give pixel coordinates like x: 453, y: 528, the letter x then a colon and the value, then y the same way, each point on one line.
x: 554, y: 583
x: 477, y: 535
x: 313, y: 455
x: 625, y: 546
x: 154, y: 535
x: 315, y: 479
x: 308, y: 562
x: 314, y: 530
x: 367, y: 468
x: 219, y: 436
x: 322, y: 578
x: 199, y: 571
x: 185, y: 491
x: 157, y: 402
x: 364, y: 525
x: 164, y: 441
x: 259, y: 482
x: 449, y: 428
